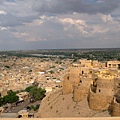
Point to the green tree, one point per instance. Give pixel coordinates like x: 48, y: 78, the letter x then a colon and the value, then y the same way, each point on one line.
x: 118, y: 58
x: 30, y: 70
x: 37, y: 93
x: 29, y: 88
x: 11, y: 97
x: 7, y: 66
x: 34, y: 107
x: 51, y: 71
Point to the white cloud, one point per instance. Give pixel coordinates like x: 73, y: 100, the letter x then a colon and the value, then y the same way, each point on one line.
x: 36, y: 22
x: 19, y: 8
x: 99, y: 29
x: 107, y: 18
x: 72, y: 21
x: 33, y: 39
x: 3, y: 13
x: 24, y: 23
x: 78, y: 24
x: 3, y: 28
x: 29, y: 37
x: 67, y: 26
x: 20, y: 35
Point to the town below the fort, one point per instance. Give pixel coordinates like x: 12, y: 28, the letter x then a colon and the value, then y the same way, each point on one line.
x: 60, y: 83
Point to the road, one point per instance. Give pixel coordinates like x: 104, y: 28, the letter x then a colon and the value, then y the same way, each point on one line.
x: 21, y: 106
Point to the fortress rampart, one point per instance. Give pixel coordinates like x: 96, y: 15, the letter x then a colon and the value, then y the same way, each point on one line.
x: 67, y: 86
x: 74, y: 75
x: 98, y: 101
x: 105, y: 86
x: 79, y: 93
x: 105, y: 83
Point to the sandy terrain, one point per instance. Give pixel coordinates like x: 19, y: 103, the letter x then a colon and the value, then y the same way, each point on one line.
x: 59, y: 105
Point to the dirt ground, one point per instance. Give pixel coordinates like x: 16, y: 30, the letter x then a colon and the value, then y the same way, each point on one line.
x: 58, y: 105
x: 20, y: 106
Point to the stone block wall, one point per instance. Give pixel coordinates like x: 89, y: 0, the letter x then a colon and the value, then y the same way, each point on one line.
x: 105, y: 83
x: 79, y: 93
x: 67, y: 85
x: 105, y: 87
x: 74, y: 75
x: 98, y: 101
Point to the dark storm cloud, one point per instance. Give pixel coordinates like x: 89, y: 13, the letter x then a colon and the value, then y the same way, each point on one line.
x: 45, y: 24
x: 80, y: 6
x: 10, y: 20
x: 10, y: 0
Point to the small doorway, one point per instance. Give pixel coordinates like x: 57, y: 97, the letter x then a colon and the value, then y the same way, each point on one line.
x: 99, y: 90
x: 119, y: 66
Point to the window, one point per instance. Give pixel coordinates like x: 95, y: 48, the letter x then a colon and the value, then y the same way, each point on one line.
x: 80, y: 81
x: 109, y: 65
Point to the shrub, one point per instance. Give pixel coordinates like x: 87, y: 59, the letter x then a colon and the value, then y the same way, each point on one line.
x: 11, y: 97
x: 7, y: 66
x: 36, y: 93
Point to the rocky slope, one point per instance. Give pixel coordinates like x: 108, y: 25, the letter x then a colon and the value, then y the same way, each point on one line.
x: 58, y: 105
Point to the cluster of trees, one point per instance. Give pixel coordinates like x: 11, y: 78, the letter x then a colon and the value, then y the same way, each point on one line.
x: 11, y: 97
x: 35, y: 92
x: 93, y: 54
x: 119, y: 58
x: 51, y: 71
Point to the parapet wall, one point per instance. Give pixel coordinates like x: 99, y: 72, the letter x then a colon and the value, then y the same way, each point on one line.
x: 79, y: 93
x: 105, y: 83
x: 74, y: 74
x: 99, y: 101
x: 105, y: 87
x: 67, y: 85
x: 87, y: 118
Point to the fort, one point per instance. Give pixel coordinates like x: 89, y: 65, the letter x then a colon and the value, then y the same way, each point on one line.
x: 86, y: 88
x: 93, y: 82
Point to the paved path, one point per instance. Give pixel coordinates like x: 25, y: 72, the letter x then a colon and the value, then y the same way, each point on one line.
x: 21, y: 106
x: 18, y: 108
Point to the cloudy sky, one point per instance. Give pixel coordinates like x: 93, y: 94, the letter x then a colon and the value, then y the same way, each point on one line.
x: 59, y: 24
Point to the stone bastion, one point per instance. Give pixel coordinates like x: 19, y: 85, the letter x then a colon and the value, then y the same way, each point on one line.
x: 98, y: 101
